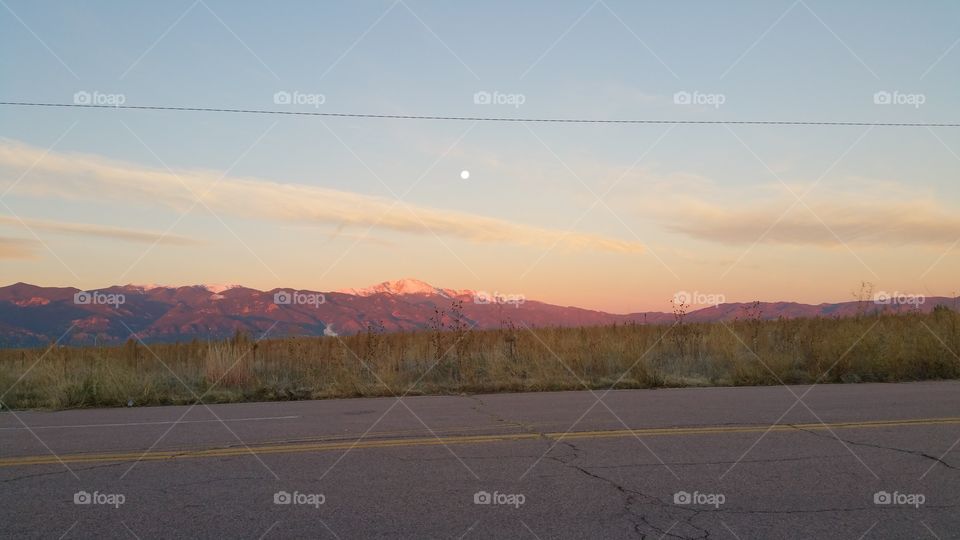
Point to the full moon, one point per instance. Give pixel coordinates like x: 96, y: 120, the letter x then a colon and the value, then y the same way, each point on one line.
x: 464, y: 174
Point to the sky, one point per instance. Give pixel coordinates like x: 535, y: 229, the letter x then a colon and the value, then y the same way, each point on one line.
x: 605, y: 216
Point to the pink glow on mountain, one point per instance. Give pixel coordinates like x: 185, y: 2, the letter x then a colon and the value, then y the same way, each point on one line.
x: 406, y: 286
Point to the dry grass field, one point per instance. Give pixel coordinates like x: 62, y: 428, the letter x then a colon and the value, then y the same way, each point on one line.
x: 452, y: 358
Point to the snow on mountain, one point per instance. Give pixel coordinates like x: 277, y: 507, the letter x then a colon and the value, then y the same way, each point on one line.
x: 405, y: 286
x: 217, y: 288
x: 400, y: 287
x: 147, y: 286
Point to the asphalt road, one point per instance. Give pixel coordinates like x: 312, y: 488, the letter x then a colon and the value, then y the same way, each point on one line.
x: 847, y: 461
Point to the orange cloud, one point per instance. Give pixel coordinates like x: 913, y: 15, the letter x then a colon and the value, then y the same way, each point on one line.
x: 85, y: 176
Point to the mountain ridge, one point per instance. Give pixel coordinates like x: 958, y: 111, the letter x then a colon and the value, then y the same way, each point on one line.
x: 32, y: 315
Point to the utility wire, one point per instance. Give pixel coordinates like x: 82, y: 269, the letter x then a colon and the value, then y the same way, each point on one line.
x: 487, y: 118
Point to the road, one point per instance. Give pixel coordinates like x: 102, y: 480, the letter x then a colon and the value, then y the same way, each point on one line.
x: 843, y: 461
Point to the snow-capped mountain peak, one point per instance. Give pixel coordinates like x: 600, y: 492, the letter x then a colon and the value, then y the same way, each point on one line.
x: 405, y: 286
x: 217, y: 288
x: 146, y: 286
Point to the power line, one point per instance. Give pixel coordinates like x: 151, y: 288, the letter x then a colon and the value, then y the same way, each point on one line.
x: 487, y: 118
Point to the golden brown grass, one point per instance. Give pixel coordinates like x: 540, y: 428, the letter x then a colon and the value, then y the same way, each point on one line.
x: 452, y: 359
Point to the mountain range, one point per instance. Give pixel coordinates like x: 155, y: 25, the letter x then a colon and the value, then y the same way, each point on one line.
x: 33, y: 316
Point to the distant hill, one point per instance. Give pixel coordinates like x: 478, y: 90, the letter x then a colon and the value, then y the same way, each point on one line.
x: 36, y: 316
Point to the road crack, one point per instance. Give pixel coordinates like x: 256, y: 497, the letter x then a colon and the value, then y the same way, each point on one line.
x: 632, y: 499
x: 919, y: 453
x: 481, y: 407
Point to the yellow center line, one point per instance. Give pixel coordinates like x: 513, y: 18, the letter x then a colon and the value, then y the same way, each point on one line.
x: 455, y: 439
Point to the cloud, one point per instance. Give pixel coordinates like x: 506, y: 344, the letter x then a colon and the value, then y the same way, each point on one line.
x: 16, y: 248
x: 100, y: 231
x: 886, y: 214
x: 81, y: 176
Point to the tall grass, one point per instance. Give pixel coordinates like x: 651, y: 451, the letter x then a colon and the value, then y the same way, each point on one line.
x: 451, y: 358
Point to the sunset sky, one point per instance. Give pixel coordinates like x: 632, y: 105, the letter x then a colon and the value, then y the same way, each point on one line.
x: 605, y: 216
